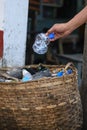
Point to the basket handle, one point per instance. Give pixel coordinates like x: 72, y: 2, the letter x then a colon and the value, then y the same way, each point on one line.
x: 69, y: 65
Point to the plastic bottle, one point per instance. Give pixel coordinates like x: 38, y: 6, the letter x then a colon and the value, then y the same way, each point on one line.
x: 41, y: 43
x: 61, y: 73
x: 26, y: 76
x: 16, y: 72
x: 41, y: 74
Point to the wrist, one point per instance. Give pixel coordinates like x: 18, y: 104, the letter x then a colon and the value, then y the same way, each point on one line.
x: 69, y: 26
x: 72, y: 24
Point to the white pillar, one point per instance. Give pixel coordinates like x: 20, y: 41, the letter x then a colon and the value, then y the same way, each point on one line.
x: 15, y: 32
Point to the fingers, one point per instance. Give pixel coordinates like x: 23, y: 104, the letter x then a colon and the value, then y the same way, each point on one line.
x: 49, y: 31
x: 58, y: 30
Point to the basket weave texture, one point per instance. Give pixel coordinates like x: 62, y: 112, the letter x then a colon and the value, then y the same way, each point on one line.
x: 45, y: 104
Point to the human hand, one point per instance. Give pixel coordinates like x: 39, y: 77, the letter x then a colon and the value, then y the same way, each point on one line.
x: 60, y: 30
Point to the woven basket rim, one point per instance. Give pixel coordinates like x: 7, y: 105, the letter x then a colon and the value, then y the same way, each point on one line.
x: 41, y: 79
x: 38, y: 80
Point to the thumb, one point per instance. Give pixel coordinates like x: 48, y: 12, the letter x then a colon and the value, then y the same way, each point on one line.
x: 48, y: 32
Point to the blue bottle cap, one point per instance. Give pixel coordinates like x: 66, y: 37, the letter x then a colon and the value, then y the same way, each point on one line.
x: 69, y: 71
x: 59, y: 74
x: 51, y: 35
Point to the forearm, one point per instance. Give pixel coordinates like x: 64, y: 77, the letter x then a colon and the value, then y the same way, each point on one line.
x: 78, y: 19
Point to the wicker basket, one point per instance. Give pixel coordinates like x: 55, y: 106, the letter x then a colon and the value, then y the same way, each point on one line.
x: 44, y: 104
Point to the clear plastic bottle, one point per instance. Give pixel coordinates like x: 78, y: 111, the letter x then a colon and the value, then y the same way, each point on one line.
x: 41, y: 43
x: 26, y: 76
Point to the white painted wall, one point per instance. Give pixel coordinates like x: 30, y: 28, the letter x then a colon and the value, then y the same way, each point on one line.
x: 1, y: 14
x: 15, y: 30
